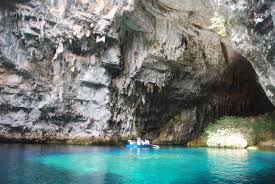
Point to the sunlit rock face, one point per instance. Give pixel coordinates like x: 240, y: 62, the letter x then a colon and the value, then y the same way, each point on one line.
x: 239, y: 132
x: 226, y: 138
x: 82, y: 71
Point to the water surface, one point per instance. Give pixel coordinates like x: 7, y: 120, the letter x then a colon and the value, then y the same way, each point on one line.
x: 55, y: 164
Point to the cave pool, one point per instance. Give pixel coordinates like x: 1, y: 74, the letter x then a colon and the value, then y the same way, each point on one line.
x: 57, y: 164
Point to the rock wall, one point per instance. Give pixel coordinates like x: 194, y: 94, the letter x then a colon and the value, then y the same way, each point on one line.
x: 103, y: 71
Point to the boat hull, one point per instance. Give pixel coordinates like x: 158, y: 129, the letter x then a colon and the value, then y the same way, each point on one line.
x: 137, y: 146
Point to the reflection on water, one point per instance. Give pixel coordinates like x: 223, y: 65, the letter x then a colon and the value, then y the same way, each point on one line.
x: 32, y: 164
x: 240, y: 154
x: 231, y: 164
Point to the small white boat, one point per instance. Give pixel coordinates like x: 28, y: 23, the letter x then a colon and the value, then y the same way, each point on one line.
x: 155, y: 146
x: 141, y: 144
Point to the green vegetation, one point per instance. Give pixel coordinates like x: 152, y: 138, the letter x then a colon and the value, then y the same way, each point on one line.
x: 258, y: 130
x: 152, y: 42
x: 218, y: 23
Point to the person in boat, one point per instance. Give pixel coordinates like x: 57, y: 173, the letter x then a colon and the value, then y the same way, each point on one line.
x: 139, y: 141
x: 131, y: 142
x: 147, y: 142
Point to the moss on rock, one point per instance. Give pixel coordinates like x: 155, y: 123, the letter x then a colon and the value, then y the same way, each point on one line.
x: 239, y: 132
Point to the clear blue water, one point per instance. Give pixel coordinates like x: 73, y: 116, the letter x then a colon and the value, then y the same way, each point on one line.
x: 53, y: 164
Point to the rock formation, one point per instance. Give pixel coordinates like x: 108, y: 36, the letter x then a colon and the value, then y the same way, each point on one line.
x: 102, y: 71
x: 239, y: 132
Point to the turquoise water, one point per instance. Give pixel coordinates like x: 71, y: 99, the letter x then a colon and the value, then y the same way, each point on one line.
x: 53, y: 164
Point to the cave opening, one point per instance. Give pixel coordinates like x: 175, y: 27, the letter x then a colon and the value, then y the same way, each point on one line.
x: 242, y: 89
x: 173, y: 118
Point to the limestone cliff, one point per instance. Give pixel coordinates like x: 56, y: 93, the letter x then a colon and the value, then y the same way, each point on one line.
x: 94, y: 71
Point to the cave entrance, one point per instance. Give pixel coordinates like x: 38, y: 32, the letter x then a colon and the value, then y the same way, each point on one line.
x: 241, y: 92
x: 174, y: 118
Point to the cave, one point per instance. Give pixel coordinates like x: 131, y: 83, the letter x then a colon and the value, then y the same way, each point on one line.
x: 161, y: 73
x: 236, y: 93
x: 137, y: 91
